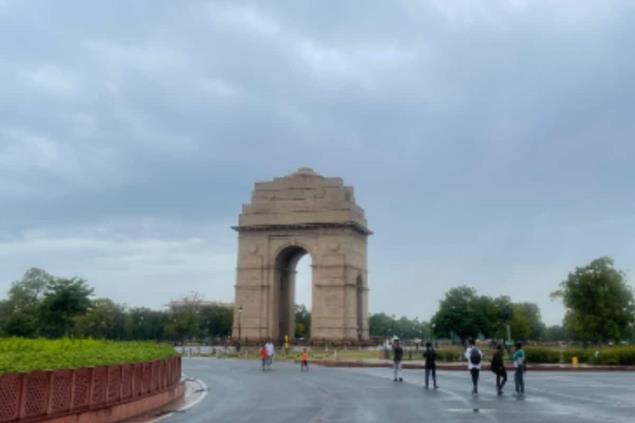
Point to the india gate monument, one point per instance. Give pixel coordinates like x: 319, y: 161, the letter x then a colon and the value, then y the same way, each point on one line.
x: 303, y: 213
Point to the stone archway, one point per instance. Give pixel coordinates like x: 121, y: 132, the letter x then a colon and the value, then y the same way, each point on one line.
x: 284, y: 288
x: 303, y: 213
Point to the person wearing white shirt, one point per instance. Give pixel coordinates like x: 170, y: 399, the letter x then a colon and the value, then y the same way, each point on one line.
x: 474, y: 357
x: 270, y: 353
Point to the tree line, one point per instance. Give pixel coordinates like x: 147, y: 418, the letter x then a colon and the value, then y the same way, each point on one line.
x: 598, y: 301
x: 599, y: 309
x: 42, y: 305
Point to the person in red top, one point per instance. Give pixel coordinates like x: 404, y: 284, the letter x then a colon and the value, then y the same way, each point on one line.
x: 263, y: 357
x: 304, y: 361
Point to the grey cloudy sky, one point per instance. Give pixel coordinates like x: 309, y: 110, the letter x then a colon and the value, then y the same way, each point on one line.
x: 491, y: 143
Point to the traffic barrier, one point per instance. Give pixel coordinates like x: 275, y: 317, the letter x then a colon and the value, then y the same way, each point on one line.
x: 42, y: 395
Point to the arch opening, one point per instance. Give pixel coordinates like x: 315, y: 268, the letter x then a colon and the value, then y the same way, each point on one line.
x: 303, y: 298
x: 286, y: 272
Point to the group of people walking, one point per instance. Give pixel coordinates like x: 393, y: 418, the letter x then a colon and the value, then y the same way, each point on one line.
x: 474, y: 358
x: 473, y: 355
x: 267, y: 351
x: 430, y: 356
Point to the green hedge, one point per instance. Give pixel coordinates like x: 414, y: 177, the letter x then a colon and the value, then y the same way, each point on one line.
x: 25, y: 355
x: 584, y: 354
x: 543, y: 355
x: 450, y: 354
x: 623, y: 355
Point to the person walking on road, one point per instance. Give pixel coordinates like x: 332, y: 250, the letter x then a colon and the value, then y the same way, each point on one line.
x: 397, y: 352
x: 263, y: 356
x: 431, y: 365
x: 519, y: 373
x: 498, y: 367
x: 304, y: 361
x: 270, y: 353
x: 474, y: 357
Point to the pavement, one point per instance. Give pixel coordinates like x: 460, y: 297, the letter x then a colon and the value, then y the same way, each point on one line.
x: 238, y: 391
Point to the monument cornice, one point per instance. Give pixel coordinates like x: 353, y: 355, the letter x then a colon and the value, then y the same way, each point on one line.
x: 304, y: 226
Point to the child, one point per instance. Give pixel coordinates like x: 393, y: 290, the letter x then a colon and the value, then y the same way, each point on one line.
x: 519, y: 363
x: 263, y: 357
x: 304, y: 361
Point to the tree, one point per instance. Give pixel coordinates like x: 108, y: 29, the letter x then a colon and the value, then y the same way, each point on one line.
x: 519, y: 324
x: 216, y: 321
x: 526, y: 321
x: 183, y: 325
x: 104, y: 319
x: 302, y: 322
x: 460, y: 313
x: 599, y: 302
x: 63, y: 301
x: 19, y: 313
x: 143, y: 323
x: 500, y: 316
x: 184, y: 319
x: 556, y: 333
x: 380, y: 324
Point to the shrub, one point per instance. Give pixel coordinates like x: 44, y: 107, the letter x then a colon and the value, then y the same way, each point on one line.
x: 584, y: 355
x: 450, y: 354
x: 25, y: 355
x: 624, y: 356
x: 543, y: 355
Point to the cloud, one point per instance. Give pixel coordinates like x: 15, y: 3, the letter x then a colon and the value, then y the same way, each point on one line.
x: 127, y: 260
x: 460, y: 124
x: 217, y: 89
x: 242, y: 18
x: 32, y: 163
x: 52, y: 79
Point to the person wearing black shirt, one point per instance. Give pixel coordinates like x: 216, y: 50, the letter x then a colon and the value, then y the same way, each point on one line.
x: 498, y: 367
x: 397, y: 352
x: 431, y: 365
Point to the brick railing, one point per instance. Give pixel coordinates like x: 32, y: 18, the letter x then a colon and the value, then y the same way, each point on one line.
x: 41, y: 395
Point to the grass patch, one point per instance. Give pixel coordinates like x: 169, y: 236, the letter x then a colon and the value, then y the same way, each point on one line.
x: 26, y: 355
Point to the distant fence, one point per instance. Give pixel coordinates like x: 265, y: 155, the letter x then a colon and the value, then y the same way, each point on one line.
x: 43, y: 395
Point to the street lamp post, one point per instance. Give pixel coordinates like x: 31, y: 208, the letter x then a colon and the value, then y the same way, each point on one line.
x: 432, y: 326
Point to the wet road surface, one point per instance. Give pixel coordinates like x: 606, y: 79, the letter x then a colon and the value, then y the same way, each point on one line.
x: 238, y: 391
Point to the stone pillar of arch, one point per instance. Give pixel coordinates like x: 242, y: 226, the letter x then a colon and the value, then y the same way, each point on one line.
x: 303, y: 213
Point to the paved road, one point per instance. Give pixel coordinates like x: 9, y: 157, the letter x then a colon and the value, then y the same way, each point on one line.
x: 240, y: 392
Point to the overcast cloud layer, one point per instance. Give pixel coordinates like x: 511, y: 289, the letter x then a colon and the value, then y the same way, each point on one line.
x: 491, y: 143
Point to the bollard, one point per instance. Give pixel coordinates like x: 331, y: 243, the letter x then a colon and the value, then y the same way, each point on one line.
x: 574, y: 361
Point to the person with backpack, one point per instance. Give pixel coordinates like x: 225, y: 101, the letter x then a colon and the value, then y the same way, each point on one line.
x: 519, y: 364
x: 498, y: 367
x: 397, y: 352
x: 431, y: 365
x: 474, y: 357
